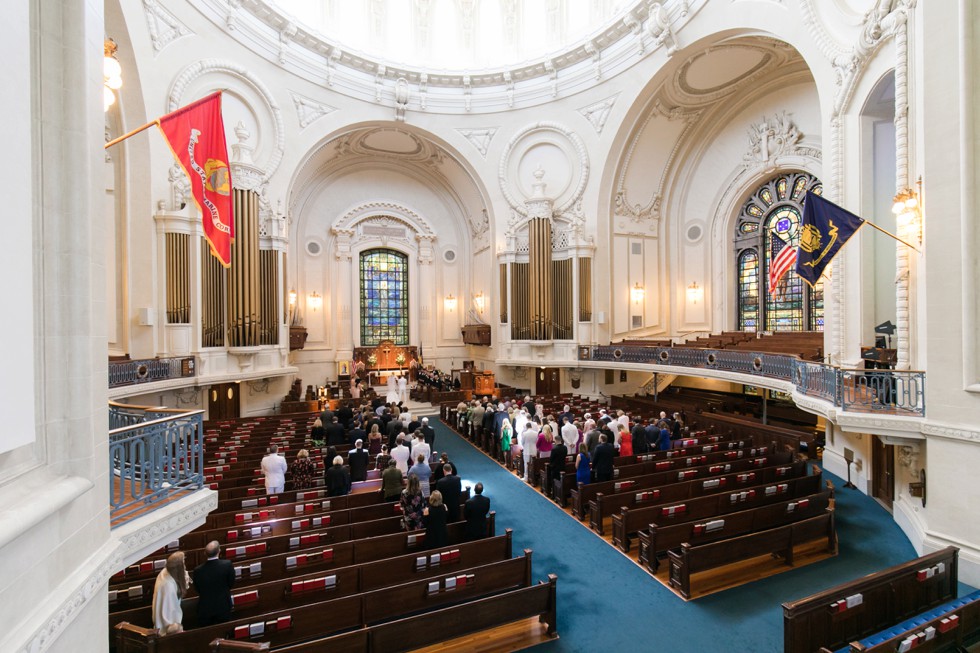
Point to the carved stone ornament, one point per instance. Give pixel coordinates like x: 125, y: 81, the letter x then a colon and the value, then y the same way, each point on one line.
x: 163, y: 26
x: 908, y: 457
x: 771, y: 138
x: 659, y: 27
x: 479, y: 138
x: 308, y: 110
x: 598, y: 113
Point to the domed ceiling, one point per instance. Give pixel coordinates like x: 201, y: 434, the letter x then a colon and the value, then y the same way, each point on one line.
x: 455, y: 35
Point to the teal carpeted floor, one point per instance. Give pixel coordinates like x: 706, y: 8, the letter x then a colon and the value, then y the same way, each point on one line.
x: 606, y: 602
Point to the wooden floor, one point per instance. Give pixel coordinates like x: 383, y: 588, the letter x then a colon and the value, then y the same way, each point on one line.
x: 516, y: 636
x: 138, y: 510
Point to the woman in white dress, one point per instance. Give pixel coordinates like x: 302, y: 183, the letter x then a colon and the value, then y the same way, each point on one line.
x: 169, y: 589
x: 392, y: 397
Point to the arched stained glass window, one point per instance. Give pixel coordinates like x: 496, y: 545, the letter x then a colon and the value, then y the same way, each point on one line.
x: 384, y: 297
x: 768, y: 224
x: 748, y: 291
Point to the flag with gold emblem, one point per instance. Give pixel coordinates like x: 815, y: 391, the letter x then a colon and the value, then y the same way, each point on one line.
x: 196, y: 136
x: 826, y: 227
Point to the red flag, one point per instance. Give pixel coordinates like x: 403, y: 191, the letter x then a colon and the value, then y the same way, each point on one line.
x: 196, y: 136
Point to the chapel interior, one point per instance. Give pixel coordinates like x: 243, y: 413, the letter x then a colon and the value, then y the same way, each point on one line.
x: 581, y: 200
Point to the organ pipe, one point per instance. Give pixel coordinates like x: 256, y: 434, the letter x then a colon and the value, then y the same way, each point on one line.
x: 521, y: 326
x: 561, y: 299
x: 268, y: 285
x: 585, y: 290
x: 212, y: 299
x: 178, y: 278
x: 503, y: 293
x: 243, y: 306
x: 539, y: 261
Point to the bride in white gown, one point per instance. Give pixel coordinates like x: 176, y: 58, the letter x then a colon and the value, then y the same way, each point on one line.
x: 392, y: 397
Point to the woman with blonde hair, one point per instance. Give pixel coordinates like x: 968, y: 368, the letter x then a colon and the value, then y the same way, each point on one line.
x: 302, y: 470
x: 546, y: 442
x: 318, y: 434
x: 374, y: 441
x: 169, y: 589
x: 435, y: 516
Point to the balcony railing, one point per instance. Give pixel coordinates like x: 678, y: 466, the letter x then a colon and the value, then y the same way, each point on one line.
x: 881, y: 391
x: 153, y: 461
x: 147, y: 370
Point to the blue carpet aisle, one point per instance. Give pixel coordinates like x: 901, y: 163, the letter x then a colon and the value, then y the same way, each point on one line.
x: 606, y: 602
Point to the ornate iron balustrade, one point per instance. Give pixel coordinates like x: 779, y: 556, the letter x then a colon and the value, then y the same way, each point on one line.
x: 122, y: 373
x: 890, y: 391
x: 153, y: 460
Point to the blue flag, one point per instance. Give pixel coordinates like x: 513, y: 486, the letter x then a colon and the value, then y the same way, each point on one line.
x: 826, y: 227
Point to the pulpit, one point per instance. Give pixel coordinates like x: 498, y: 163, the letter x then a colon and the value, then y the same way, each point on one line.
x: 483, y: 383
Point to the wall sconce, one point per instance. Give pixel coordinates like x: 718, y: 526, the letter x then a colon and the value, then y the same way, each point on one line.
x: 450, y: 303
x: 315, y: 301
x: 480, y: 301
x: 695, y: 293
x: 292, y: 298
x: 111, y: 74
x: 908, y: 212
x: 637, y: 293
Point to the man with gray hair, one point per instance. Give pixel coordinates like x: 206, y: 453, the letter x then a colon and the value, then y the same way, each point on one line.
x: 214, y: 579
x: 428, y: 434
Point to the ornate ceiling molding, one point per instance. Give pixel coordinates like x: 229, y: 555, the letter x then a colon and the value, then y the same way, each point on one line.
x: 517, y: 204
x: 260, y: 26
x: 354, y: 216
x: 479, y: 138
x: 163, y: 26
x: 598, y: 113
x: 206, y: 66
x: 308, y: 111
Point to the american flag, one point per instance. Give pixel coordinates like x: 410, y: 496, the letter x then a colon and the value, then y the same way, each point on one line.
x: 782, y: 257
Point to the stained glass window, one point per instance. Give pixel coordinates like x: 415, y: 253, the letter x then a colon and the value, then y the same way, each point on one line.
x: 775, y: 210
x: 384, y: 297
x: 748, y: 291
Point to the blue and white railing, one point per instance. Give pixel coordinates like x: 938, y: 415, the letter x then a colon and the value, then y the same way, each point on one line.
x: 886, y: 391
x: 153, y: 460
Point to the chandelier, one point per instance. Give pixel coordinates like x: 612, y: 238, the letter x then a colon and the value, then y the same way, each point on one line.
x: 111, y: 74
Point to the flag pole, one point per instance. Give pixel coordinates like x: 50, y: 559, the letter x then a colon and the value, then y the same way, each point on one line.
x: 120, y: 139
x: 888, y: 233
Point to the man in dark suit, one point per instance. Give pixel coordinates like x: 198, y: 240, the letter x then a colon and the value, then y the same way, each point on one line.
x: 639, y: 437
x: 345, y: 414
x: 214, y: 579
x: 358, y: 460
x: 475, y: 511
x: 336, y: 434
x: 556, y: 464
x: 393, y: 429
x: 602, y: 459
x: 356, y: 433
x: 451, y: 488
x: 428, y: 434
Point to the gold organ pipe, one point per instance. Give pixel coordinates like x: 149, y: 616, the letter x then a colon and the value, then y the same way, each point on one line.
x: 503, y: 293
x: 585, y: 290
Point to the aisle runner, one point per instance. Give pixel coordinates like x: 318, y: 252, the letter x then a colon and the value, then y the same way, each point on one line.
x: 606, y: 602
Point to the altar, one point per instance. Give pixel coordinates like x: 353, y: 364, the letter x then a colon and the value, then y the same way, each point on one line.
x: 376, y: 364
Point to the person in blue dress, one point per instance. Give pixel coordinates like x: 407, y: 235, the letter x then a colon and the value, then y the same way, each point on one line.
x: 583, y: 470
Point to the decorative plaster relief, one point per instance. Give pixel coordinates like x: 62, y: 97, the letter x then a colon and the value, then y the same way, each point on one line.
x: 771, y: 138
x: 218, y: 67
x: 553, y: 138
x: 479, y: 138
x: 163, y: 26
x: 308, y: 110
x: 598, y: 113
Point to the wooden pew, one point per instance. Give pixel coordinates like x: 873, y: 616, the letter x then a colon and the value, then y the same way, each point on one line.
x: 629, y: 473
x: 888, y: 596
x: 780, y: 541
x: 309, y: 620
x: 659, y: 539
x: 740, y: 490
x: 439, y: 625
x: 950, y: 626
